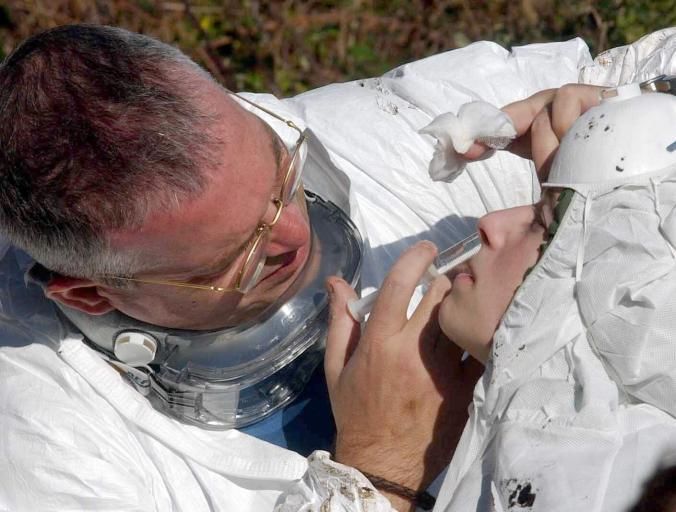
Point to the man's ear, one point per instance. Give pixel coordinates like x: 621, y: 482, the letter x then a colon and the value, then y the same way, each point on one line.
x: 81, y: 294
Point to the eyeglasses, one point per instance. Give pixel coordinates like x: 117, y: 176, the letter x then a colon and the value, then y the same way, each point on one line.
x: 254, y: 262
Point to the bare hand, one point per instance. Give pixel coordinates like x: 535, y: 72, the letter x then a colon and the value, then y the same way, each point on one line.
x: 542, y: 120
x: 399, y: 392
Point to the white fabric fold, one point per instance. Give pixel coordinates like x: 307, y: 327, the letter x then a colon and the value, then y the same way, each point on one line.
x: 225, y: 459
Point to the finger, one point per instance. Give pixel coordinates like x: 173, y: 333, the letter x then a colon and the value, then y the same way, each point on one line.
x: 343, y: 334
x: 523, y: 112
x: 476, y: 151
x: 444, y: 359
x: 544, y: 142
x: 570, y: 102
x: 427, y: 310
x: 521, y: 146
x: 424, y: 326
x: 389, y: 312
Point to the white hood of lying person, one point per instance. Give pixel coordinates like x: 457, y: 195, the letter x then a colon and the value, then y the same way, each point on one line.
x: 576, y: 408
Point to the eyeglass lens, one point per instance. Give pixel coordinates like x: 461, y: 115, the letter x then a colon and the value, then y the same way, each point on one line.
x: 293, y: 179
x: 255, y: 263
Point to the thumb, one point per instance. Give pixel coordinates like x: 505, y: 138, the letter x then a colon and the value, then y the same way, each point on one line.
x: 476, y: 151
x: 343, y: 333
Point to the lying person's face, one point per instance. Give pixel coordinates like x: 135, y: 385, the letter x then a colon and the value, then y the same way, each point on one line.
x: 206, y: 240
x: 484, y: 286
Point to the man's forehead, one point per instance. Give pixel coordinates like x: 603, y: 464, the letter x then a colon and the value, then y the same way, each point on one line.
x: 239, y: 185
x: 235, y: 122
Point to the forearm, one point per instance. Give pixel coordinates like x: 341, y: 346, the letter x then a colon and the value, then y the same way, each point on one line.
x: 370, y: 459
x: 329, y: 486
x: 399, y: 460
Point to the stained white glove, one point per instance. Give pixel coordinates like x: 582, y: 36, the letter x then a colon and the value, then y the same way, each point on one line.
x: 329, y: 486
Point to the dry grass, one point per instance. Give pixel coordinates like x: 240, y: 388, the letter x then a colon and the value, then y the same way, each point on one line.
x: 288, y: 46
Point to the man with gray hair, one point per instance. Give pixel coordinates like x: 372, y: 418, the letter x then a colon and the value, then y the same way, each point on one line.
x: 148, y: 194
x: 157, y: 208
x: 107, y: 136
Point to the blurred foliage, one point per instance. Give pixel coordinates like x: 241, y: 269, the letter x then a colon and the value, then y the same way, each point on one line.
x: 289, y: 46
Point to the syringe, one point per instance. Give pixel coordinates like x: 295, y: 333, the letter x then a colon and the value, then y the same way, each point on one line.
x: 452, y: 257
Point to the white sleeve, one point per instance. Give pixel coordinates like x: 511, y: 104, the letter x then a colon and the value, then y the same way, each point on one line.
x: 329, y: 486
x: 652, y: 55
x: 53, y: 455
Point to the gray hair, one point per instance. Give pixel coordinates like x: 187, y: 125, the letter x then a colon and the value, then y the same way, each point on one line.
x: 98, y: 127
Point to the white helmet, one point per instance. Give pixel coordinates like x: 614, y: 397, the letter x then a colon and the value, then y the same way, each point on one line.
x: 614, y: 143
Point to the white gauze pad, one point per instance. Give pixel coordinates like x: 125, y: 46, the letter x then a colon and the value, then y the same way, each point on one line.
x: 476, y: 121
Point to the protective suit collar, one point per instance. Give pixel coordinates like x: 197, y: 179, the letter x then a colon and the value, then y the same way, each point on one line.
x: 236, y: 376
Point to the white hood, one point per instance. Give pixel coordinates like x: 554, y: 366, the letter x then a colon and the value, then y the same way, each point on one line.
x: 576, y: 413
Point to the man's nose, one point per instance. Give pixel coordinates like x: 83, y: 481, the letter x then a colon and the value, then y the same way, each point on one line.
x: 291, y: 232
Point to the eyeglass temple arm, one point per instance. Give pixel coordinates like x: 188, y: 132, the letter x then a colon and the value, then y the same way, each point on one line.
x: 169, y: 283
x: 287, y: 122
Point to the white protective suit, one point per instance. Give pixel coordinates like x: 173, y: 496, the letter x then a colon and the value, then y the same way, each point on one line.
x: 75, y: 436
x: 579, y: 412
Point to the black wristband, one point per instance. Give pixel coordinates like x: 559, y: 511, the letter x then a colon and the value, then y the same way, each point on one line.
x: 421, y: 499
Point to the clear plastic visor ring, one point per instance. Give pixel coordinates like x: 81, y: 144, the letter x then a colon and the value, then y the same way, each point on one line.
x: 255, y: 262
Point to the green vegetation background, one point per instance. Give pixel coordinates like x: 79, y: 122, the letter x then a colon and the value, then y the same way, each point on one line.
x: 289, y: 46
